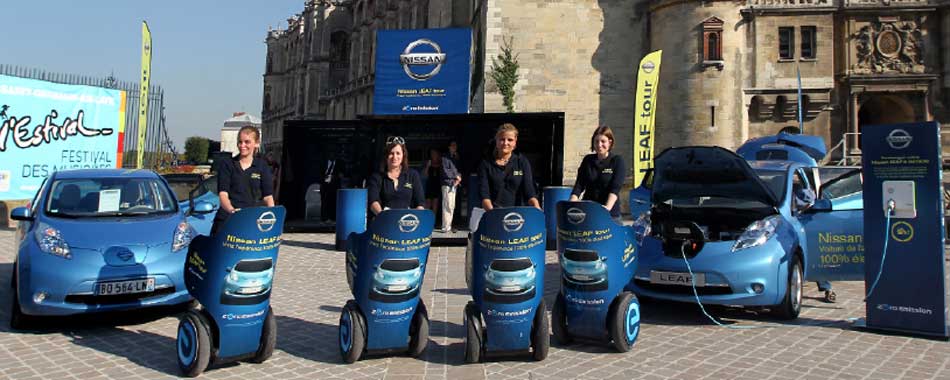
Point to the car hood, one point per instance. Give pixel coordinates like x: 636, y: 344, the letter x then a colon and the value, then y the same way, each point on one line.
x: 101, y: 233
x: 813, y: 146
x: 691, y: 172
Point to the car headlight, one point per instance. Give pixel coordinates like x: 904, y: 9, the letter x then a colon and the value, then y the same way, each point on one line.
x: 182, y: 237
x: 51, y: 241
x: 641, y: 227
x: 233, y: 276
x: 490, y: 275
x: 758, y: 233
x: 530, y: 272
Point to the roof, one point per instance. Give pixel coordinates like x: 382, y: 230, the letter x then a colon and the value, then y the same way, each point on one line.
x: 105, y: 173
x: 242, y: 120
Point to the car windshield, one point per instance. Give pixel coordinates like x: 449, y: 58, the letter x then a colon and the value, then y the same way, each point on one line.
x: 104, y: 197
x: 774, y: 180
x: 400, y: 265
x: 511, y: 265
x: 182, y: 186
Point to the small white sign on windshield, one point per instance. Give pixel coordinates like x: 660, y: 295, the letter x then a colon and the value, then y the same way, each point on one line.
x: 109, y: 200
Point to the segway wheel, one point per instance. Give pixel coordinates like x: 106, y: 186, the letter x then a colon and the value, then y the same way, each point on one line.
x: 559, y: 322
x: 352, y: 333
x: 419, y: 331
x: 624, y: 321
x: 473, y: 335
x: 193, y: 343
x: 540, y: 339
x: 268, y: 338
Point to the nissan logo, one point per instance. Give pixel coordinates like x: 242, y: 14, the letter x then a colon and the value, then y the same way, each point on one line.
x: 266, y: 221
x: 408, y: 223
x: 409, y: 59
x: 576, y: 215
x: 648, y: 67
x: 899, y: 139
x: 124, y: 254
x: 512, y: 222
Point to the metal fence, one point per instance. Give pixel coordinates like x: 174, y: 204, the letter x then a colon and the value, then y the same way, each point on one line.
x: 158, y: 147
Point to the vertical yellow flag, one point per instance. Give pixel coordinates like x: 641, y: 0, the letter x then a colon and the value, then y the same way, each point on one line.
x: 143, y: 92
x: 644, y: 134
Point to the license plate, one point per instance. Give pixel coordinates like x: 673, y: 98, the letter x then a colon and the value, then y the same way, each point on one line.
x: 397, y: 288
x: 125, y: 287
x: 676, y: 278
x: 509, y: 288
x: 581, y: 277
x: 251, y: 290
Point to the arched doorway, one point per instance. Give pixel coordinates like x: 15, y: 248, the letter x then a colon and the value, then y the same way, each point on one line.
x: 884, y: 109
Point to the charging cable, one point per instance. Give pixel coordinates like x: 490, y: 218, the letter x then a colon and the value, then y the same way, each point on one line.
x: 692, y: 279
x: 891, y: 205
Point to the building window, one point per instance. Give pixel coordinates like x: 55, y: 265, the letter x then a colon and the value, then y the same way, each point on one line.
x: 712, y: 42
x: 809, y: 42
x: 786, y: 42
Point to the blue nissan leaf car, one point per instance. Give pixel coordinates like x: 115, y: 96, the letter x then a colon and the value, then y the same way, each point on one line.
x: 96, y: 240
x: 396, y: 280
x: 751, y: 232
x: 248, y: 282
x: 584, y: 270
x: 510, y: 280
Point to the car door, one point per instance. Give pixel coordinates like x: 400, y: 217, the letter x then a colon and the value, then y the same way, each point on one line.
x: 834, y: 231
x: 206, y: 191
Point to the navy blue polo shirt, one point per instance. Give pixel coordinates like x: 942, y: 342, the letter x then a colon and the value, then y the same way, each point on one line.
x: 507, y: 185
x: 597, y: 179
x: 245, y: 188
x: 408, y: 194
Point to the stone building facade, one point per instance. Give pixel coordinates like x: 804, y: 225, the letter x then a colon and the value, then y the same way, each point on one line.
x: 730, y: 67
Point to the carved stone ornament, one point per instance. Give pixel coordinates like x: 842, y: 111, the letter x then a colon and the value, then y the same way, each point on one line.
x: 888, y: 47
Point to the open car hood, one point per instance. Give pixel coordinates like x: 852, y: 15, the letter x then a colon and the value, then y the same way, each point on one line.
x: 703, y: 171
x: 797, y: 147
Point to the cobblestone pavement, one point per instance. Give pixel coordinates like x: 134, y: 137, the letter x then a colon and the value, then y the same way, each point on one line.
x: 676, y: 341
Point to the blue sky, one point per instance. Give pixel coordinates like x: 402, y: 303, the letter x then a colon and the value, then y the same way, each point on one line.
x: 208, y: 55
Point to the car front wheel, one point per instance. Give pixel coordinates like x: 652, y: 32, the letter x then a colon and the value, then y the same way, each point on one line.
x: 792, y: 302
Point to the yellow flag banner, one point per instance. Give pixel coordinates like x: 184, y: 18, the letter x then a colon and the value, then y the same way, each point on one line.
x: 648, y: 77
x: 143, y: 92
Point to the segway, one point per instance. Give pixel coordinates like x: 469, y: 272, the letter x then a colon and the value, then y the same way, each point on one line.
x: 385, y: 267
x: 597, y: 258
x: 231, y: 275
x: 505, y: 276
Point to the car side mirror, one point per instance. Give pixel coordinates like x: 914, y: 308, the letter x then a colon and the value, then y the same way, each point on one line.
x: 21, y: 213
x: 202, y: 207
x: 820, y: 206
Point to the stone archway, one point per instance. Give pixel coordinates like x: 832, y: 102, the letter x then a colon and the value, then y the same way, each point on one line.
x: 885, y: 109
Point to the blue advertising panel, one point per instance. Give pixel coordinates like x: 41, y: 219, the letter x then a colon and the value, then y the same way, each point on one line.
x: 422, y: 71
x: 350, y: 214
x: 385, y: 267
x: 598, y: 259
x: 904, y: 252
x: 49, y: 126
x: 553, y: 195
x: 506, y: 280
x: 232, y: 275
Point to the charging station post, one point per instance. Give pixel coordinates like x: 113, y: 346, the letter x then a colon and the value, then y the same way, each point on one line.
x: 903, y: 213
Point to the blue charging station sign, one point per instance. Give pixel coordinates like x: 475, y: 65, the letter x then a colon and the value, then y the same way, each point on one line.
x: 902, y: 177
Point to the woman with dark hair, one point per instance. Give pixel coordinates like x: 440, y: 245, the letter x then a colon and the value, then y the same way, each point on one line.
x: 395, y: 185
x: 506, y: 179
x: 245, y: 180
x: 601, y: 174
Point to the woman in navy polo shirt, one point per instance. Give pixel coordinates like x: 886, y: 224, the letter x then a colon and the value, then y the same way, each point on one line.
x: 601, y: 174
x: 245, y: 180
x: 395, y: 185
x: 506, y: 179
